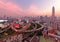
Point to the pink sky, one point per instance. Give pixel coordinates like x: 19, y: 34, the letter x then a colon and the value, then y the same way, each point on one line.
x: 12, y: 9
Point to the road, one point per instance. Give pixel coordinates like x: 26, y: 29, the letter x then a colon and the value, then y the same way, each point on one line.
x: 23, y: 30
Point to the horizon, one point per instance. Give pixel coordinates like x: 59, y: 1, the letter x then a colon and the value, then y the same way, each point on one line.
x: 17, y: 8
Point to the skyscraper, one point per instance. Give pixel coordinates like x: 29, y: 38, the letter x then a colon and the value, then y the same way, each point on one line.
x: 53, y: 11
x: 53, y: 14
x: 53, y: 20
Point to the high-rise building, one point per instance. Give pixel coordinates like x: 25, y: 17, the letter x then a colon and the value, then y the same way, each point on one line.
x: 53, y: 11
x: 53, y: 14
x: 53, y: 19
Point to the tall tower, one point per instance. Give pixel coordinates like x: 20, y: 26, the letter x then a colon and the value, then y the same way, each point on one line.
x: 53, y: 14
x: 53, y: 11
x: 53, y: 18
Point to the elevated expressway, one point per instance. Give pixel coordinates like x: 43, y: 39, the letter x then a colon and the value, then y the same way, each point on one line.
x: 21, y: 31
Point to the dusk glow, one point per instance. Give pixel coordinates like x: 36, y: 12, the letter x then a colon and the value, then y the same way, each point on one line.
x: 29, y: 20
x: 28, y: 7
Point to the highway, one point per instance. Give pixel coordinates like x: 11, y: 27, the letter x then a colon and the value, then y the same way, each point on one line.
x: 23, y: 30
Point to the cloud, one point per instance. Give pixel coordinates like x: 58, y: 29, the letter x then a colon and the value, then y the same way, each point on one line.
x: 33, y: 10
x: 12, y: 9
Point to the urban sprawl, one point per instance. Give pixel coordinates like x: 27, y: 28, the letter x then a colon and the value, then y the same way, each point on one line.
x: 30, y: 28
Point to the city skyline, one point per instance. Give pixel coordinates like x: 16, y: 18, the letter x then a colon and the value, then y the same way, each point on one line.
x: 29, y: 7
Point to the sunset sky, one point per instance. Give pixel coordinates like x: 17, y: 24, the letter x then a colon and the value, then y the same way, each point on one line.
x: 29, y: 7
